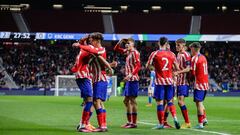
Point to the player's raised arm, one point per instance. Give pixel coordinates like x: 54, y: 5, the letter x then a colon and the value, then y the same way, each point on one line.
x: 117, y: 47
x: 82, y: 41
x: 91, y: 49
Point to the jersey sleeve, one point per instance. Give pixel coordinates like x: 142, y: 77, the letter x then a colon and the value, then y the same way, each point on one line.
x: 194, y: 65
x: 150, y: 59
x: 188, y: 60
x: 136, y: 58
x: 117, y: 48
x: 92, y: 49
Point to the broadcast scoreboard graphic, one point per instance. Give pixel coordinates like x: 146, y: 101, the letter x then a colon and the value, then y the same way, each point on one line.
x: 116, y: 37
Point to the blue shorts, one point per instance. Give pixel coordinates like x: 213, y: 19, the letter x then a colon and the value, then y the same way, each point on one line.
x: 182, y: 90
x: 85, y: 87
x: 199, y: 95
x: 163, y: 92
x: 131, y: 88
x: 100, y: 90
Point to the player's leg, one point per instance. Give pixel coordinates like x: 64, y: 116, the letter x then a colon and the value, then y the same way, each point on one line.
x: 182, y: 92
x: 100, y: 95
x: 128, y: 106
x: 199, y: 96
x: 133, y: 103
x: 205, y: 121
x: 159, y: 97
x: 169, y: 94
x: 131, y: 91
x: 150, y: 94
x: 86, y: 93
x: 166, y: 113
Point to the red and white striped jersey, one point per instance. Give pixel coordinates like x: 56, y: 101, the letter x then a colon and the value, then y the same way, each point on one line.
x: 199, y: 69
x: 97, y: 70
x: 132, y: 65
x: 184, y: 61
x: 81, y: 67
x: 163, y: 61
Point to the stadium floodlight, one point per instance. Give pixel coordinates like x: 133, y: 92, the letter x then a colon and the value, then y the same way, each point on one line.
x: 100, y: 8
x: 57, y: 6
x: 156, y: 7
x: 124, y: 7
x: 224, y: 8
x: 106, y: 11
x: 25, y: 6
x: 189, y: 8
x: 236, y: 10
x: 145, y: 11
x: 115, y: 11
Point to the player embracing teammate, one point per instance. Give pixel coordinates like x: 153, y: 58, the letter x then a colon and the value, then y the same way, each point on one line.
x: 97, y: 70
x: 90, y: 69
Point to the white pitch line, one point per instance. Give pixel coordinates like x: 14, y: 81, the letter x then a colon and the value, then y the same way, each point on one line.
x: 198, y: 130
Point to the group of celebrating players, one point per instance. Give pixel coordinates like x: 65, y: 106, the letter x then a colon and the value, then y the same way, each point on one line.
x: 91, y: 69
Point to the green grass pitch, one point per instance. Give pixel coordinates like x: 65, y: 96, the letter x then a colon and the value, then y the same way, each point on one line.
x: 48, y: 115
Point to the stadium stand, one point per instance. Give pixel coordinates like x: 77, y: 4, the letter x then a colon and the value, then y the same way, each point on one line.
x: 152, y: 23
x: 35, y: 65
x: 220, y: 24
x: 63, y: 21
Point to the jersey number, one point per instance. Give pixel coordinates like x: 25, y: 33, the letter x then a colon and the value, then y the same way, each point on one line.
x: 165, y: 65
x: 205, y: 69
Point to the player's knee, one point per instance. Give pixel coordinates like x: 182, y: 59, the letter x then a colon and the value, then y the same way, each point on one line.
x: 88, y: 99
x: 133, y: 102
x: 180, y: 103
x: 126, y: 101
x: 159, y: 102
x: 94, y: 102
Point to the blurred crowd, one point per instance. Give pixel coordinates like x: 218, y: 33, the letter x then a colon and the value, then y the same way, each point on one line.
x: 36, y: 65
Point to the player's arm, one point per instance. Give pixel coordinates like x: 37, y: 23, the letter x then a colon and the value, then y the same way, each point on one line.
x: 185, y: 70
x: 176, y: 66
x: 114, y: 64
x: 188, y: 65
x: 104, y: 61
x: 150, y: 59
x: 137, y: 66
x: 92, y: 49
x: 82, y: 41
x: 193, y: 65
x: 117, y: 47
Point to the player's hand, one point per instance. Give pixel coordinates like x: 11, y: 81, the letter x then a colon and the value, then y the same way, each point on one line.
x: 75, y: 45
x: 114, y: 64
x: 83, y: 39
x: 175, y: 73
x: 110, y: 72
x: 127, y: 77
x: 124, y: 40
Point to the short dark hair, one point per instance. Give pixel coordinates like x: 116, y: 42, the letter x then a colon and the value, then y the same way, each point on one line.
x: 163, y: 40
x: 181, y: 40
x: 97, y: 36
x: 195, y: 45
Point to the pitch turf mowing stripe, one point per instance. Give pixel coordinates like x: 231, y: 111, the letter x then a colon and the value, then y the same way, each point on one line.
x: 204, y: 131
